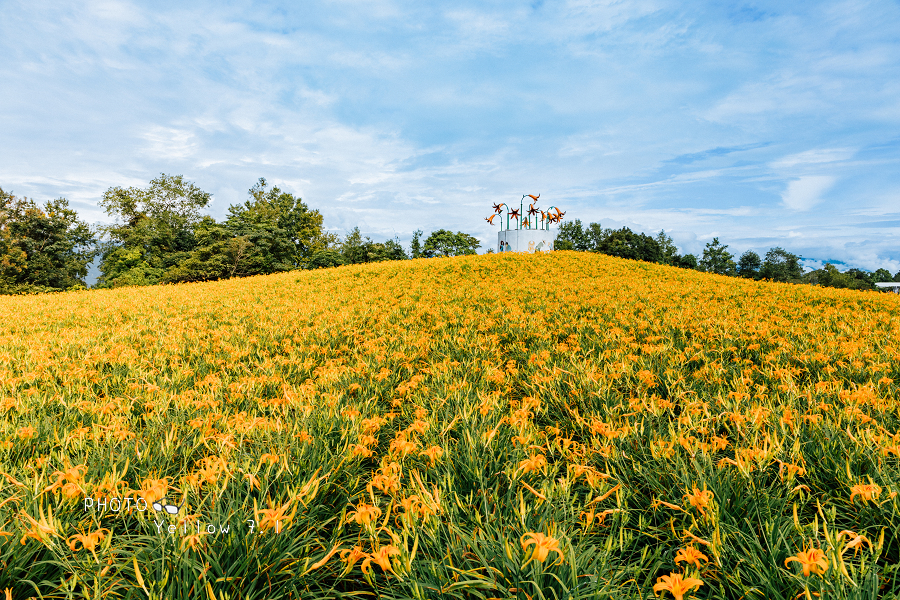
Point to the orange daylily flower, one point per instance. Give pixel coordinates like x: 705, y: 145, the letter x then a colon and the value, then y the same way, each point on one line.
x: 364, y: 514
x: 382, y: 558
x: 351, y: 557
x: 812, y: 561
x: 401, y: 445
x: 533, y: 463
x: 154, y: 489
x: 543, y: 546
x: 254, y: 481
x: 360, y: 450
x: 88, y: 541
x: 676, y: 584
x: 699, y: 499
x: 388, y: 480
x: 272, y: 459
x: 41, y: 529
x: 691, y: 556
x: 866, y: 491
x: 855, y: 541
x: 434, y: 454
x: 274, y: 518
x: 192, y: 540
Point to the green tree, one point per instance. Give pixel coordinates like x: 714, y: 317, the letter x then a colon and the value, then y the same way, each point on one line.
x: 42, y: 249
x: 572, y: 236
x: 393, y: 250
x: 688, y: 261
x: 219, y: 254
x: 273, y: 231
x: 830, y: 276
x: 781, y: 265
x: 269, y: 245
x: 667, y: 249
x: 355, y: 249
x: 352, y: 249
x: 594, y: 235
x: 415, y: 248
x: 446, y: 243
x: 13, y: 259
x: 301, y: 226
x: 717, y: 259
x: 625, y: 243
x: 323, y: 259
x: 881, y: 275
x: 154, y: 230
x: 749, y: 265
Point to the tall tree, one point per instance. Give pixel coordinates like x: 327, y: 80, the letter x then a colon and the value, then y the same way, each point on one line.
x: 594, y: 235
x: 323, y: 259
x: 781, y: 265
x: 667, y: 249
x: 352, y: 249
x: 42, y: 249
x: 749, y: 265
x: 219, y: 254
x: 881, y: 275
x: 688, y: 261
x: 830, y: 276
x: 625, y: 243
x: 154, y: 230
x: 572, y: 236
x: 717, y: 259
x: 446, y: 243
x: 355, y: 249
x: 301, y: 227
x: 415, y: 247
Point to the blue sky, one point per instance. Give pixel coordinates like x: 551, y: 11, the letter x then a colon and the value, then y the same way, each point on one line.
x: 762, y: 124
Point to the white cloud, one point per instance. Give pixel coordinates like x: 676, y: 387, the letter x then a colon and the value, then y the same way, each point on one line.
x: 814, y: 157
x: 170, y: 143
x: 397, y: 115
x: 804, y: 193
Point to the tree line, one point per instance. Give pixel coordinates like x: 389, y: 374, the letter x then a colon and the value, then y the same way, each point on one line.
x: 160, y: 235
x: 777, y: 265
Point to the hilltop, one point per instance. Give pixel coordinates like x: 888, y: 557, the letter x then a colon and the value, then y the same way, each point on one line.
x: 509, y: 423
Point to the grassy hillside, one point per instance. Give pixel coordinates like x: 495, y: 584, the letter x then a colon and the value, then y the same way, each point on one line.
x: 565, y: 425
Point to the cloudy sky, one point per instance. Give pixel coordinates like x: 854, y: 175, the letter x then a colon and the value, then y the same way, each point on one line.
x: 764, y: 124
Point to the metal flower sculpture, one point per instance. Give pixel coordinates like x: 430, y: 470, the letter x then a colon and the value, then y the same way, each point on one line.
x: 519, y: 214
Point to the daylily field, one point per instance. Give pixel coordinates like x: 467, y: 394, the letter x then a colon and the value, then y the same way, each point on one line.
x: 557, y: 426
